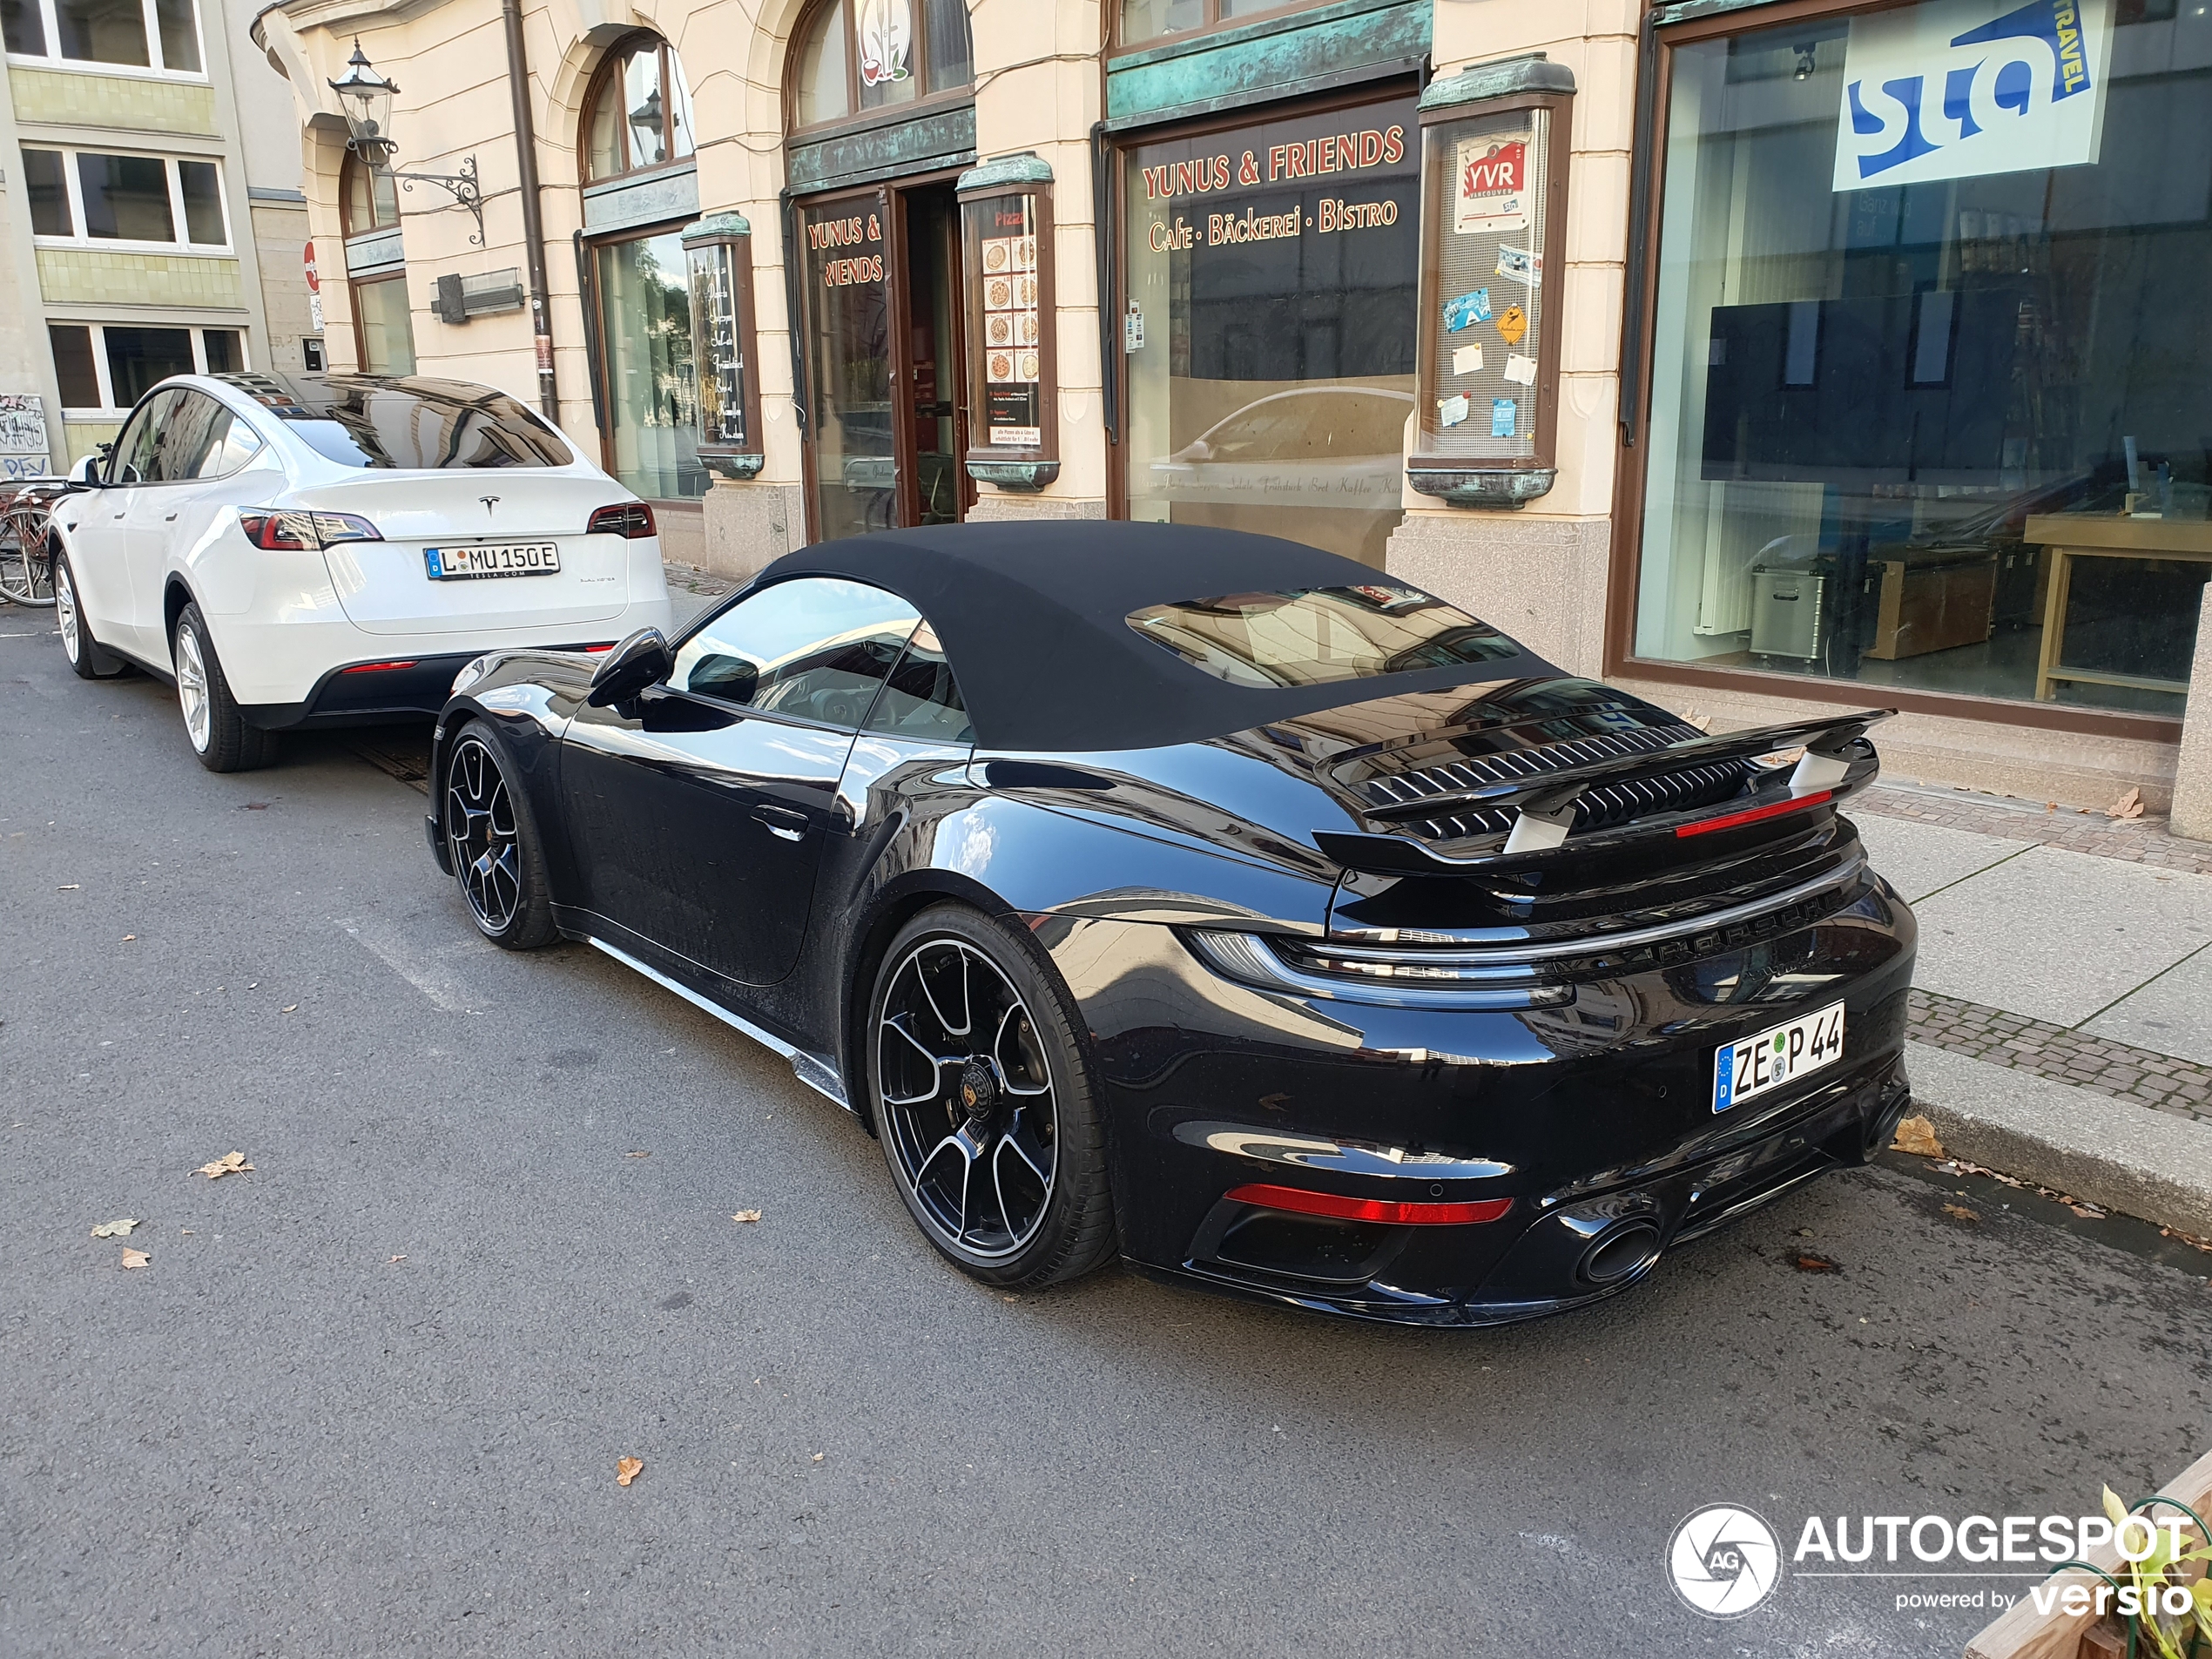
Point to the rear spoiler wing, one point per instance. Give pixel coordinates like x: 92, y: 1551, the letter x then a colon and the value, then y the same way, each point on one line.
x: 1545, y: 802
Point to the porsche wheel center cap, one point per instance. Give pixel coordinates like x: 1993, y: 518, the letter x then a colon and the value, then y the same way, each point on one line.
x: 979, y: 1092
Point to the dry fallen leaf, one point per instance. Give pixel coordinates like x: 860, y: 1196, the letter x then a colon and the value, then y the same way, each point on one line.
x: 628, y: 1469
x: 1917, y: 1136
x: 2087, y: 1212
x: 127, y: 938
x: 1806, y: 1262
x: 746, y: 1215
x: 636, y: 1155
x: 818, y: 1456
x: 396, y: 1258
x: 137, y: 1257
x: 116, y: 1229
x: 229, y: 1164
x: 2128, y: 805
x: 1961, y: 1212
x: 1702, y: 721
x: 291, y: 1008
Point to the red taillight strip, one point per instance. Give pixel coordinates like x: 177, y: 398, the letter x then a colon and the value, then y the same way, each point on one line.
x: 1339, y: 1207
x: 1752, y: 814
x: 376, y: 668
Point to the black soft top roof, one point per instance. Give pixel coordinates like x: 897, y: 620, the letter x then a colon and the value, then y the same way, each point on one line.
x: 1033, y: 616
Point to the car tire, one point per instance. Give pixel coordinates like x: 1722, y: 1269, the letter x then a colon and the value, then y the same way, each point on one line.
x: 492, y: 842
x: 1000, y: 1089
x: 218, y: 732
x: 87, y: 657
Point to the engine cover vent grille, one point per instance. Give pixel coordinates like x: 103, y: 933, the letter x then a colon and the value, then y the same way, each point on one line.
x: 1600, y: 808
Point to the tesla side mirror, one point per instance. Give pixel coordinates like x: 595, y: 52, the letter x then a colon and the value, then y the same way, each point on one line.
x: 641, y: 660
x: 87, y: 472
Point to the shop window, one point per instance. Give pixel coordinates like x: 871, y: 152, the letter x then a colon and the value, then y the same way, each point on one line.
x: 638, y: 113
x: 383, y: 327
x: 857, y: 56
x: 1931, y: 391
x: 1269, y: 325
x: 1146, y: 21
x: 368, y: 196
x: 649, y: 379
x: 135, y: 34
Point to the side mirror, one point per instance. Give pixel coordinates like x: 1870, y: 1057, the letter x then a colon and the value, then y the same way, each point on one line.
x: 641, y: 660
x: 87, y: 472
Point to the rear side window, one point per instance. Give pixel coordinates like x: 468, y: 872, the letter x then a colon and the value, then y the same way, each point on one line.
x: 408, y: 424
x: 921, y: 701
x: 1320, y: 636
x: 815, y: 647
x: 138, y: 452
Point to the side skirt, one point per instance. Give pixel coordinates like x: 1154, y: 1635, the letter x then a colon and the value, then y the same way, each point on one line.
x: 812, y: 1069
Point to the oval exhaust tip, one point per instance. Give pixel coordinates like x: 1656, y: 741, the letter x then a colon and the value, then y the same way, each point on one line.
x: 1622, y: 1253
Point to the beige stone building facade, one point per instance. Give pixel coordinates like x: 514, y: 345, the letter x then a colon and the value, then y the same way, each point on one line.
x: 1766, y: 358
x: 137, y: 150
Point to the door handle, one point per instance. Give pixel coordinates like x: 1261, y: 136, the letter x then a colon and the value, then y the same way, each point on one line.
x: 171, y: 519
x: 782, y: 822
x: 116, y: 515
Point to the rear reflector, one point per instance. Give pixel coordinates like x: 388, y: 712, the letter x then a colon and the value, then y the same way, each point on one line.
x: 1752, y: 814
x: 1340, y: 1208
x: 376, y: 668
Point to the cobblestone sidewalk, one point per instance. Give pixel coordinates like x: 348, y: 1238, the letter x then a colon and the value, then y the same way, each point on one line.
x: 2181, y: 1087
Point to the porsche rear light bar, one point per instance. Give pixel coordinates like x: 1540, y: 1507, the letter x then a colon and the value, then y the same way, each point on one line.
x: 1753, y: 814
x: 631, y: 520
x: 1338, y: 1207
x: 306, y: 532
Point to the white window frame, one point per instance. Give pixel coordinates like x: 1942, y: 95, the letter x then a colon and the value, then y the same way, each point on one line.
x: 108, y: 409
x: 73, y: 188
x: 50, y: 20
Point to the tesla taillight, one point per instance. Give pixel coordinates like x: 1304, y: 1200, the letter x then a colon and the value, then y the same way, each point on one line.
x: 1337, y: 1206
x: 305, y: 532
x: 628, y: 519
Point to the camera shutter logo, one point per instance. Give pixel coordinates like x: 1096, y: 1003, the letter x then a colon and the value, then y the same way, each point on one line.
x: 1724, y: 1561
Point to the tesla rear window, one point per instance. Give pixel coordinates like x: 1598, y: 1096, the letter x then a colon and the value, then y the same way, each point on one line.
x: 1316, y: 636
x: 407, y: 423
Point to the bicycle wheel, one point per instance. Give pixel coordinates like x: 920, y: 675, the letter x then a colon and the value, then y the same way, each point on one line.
x: 26, y: 572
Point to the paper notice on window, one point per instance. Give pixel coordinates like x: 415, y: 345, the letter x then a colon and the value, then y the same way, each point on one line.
x: 1520, y: 369
x: 1491, y: 186
x: 1522, y: 265
x: 1502, y: 410
x: 1451, y: 411
x: 1467, y: 360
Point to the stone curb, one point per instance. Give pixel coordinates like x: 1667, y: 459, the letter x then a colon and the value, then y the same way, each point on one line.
x: 2147, y: 1163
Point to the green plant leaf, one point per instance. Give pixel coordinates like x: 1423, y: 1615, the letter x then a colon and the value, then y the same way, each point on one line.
x: 2114, y: 1509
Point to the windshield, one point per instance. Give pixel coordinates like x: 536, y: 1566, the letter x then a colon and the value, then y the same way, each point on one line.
x: 1317, y: 636
x: 407, y: 423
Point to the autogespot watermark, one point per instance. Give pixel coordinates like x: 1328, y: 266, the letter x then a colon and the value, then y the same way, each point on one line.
x: 1725, y: 1559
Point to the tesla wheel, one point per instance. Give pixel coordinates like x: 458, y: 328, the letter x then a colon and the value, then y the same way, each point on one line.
x: 85, y: 653
x: 220, y: 734
x: 492, y: 840
x: 984, y: 1103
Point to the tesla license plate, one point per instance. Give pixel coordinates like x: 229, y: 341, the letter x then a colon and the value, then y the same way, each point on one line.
x: 459, y: 563
x: 1780, y: 1054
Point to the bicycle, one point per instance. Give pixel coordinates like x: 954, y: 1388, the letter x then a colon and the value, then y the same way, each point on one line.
x: 26, y: 552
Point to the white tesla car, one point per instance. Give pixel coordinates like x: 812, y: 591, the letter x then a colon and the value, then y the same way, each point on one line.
x: 330, y: 551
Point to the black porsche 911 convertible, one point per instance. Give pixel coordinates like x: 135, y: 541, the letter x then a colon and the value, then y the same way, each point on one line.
x: 1215, y: 901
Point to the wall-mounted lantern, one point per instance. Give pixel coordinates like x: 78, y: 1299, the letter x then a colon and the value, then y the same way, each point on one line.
x: 1006, y: 232
x: 720, y: 249
x: 366, y: 96
x: 1494, y: 239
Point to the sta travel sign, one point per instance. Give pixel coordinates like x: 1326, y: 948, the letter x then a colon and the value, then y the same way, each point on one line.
x: 1956, y: 89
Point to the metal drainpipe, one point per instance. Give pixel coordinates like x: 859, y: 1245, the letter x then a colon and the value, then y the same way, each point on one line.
x: 518, y: 85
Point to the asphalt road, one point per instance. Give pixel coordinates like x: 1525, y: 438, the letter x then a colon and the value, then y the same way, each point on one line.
x: 369, y: 1398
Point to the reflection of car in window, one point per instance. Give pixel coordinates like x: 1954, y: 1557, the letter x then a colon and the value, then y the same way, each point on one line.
x: 1337, y: 423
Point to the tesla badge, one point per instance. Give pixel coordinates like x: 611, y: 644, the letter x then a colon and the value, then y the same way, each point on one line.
x: 489, y: 503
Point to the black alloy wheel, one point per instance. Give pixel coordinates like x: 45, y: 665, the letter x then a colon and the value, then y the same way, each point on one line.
x: 984, y: 1103
x: 491, y: 839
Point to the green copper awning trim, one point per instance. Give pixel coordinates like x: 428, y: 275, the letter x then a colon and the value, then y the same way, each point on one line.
x: 1532, y: 73
x: 1275, y: 57
x: 718, y: 227
x: 1006, y: 173
x: 1682, y: 11
x: 888, y: 146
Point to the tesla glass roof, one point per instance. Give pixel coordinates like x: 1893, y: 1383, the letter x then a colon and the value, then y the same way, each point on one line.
x: 406, y: 421
x: 1035, y: 621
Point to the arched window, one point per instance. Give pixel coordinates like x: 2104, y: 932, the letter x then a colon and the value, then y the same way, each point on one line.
x: 638, y: 112
x: 851, y: 56
x: 368, y: 200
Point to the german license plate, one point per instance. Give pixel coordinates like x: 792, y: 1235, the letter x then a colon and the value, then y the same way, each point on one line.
x: 522, y: 558
x: 1780, y: 1054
